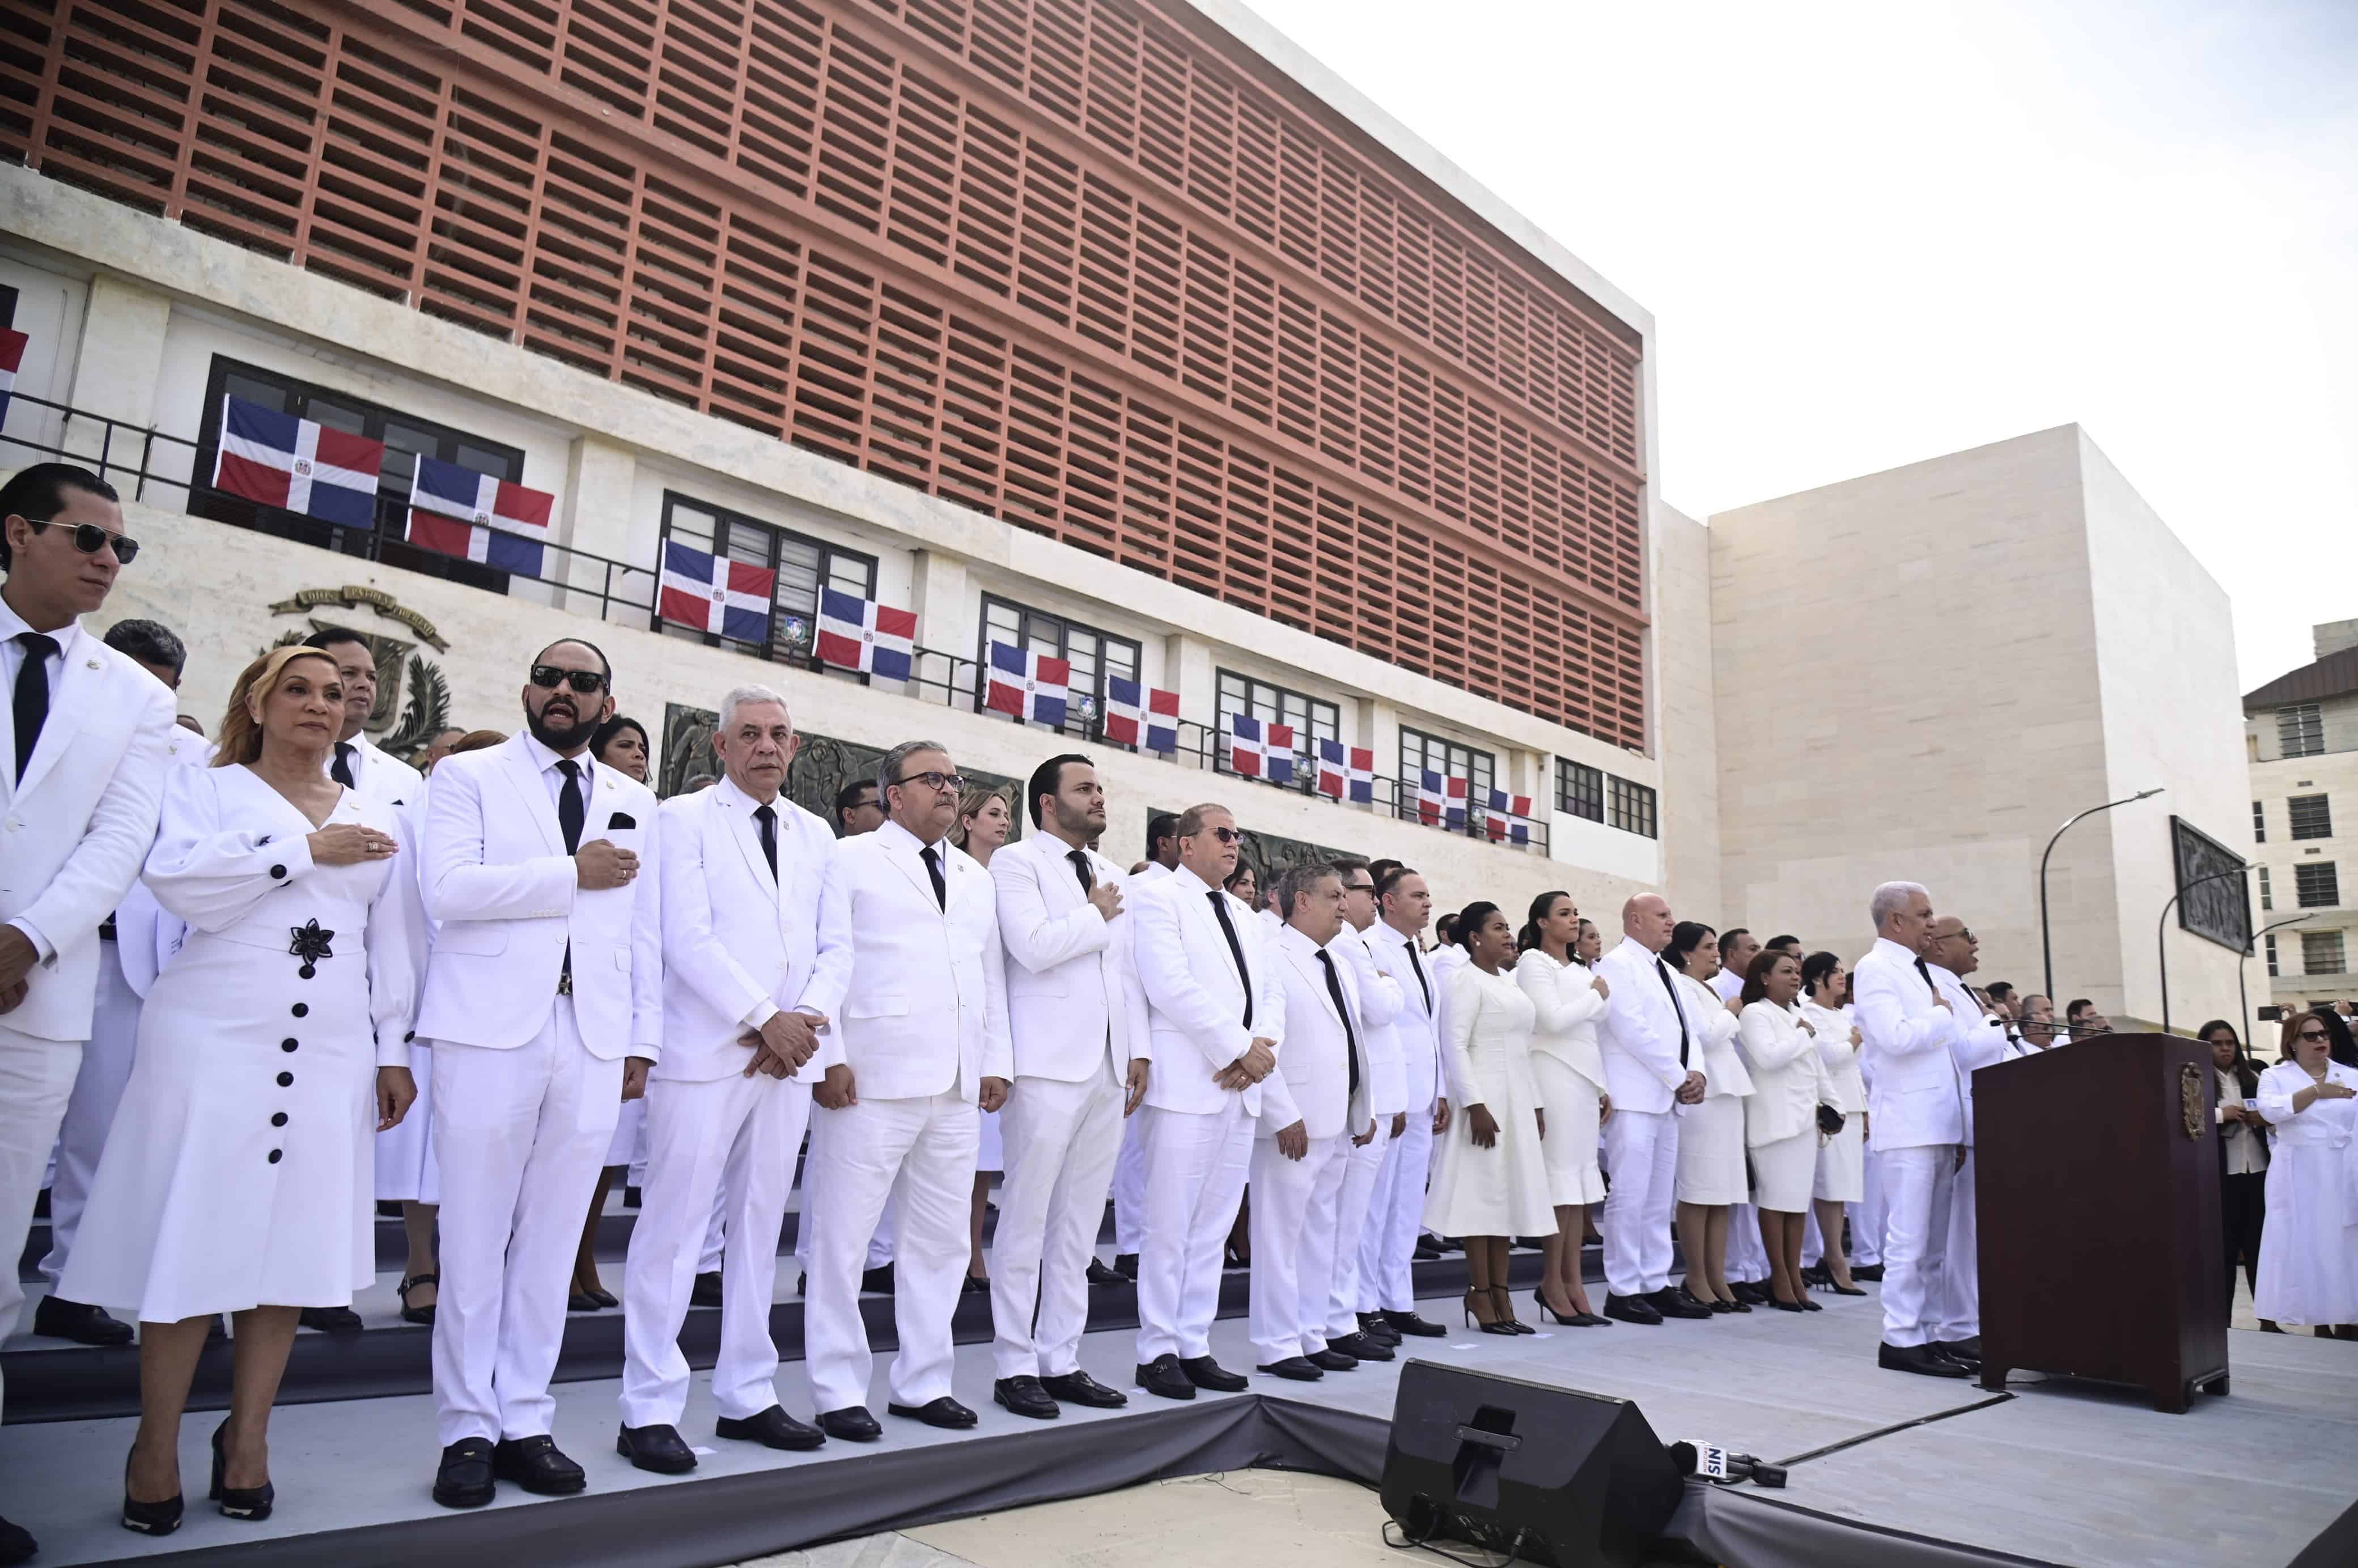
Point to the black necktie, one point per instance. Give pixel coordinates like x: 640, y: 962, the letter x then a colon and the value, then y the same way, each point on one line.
x: 1664, y: 970
x: 1414, y: 963
x: 1924, y: 969
x: 570, y: 810
x: 1343, y: 1011
x: 767, y: 820
x: 1080, y: 859
x: 340, y: 770
x: 32, y: 698
x: 934, y: 870
x: 1236, y: 948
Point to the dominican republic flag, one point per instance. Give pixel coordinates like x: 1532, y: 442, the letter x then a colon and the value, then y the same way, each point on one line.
x: 1429, y: 798
x: 12, y: 354
x: 1509, y: 816
x: 1346, y: 772
x: 711, y: 594
x: 861, y: 635
x: 1029, y: 685
x: 1259, y: 750
x: 1140, y: 715
x: 299, y: 464
x: 478, y: 518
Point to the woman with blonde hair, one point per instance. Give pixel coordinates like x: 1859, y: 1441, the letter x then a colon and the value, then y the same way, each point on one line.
x: 984, y: 821
x: 239, y: 1174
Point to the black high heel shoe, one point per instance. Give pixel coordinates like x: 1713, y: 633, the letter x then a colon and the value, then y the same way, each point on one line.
x: 1494, y: 1325
x: 252, y: 1503
x: 1503, y: 1300
x: 149, y: 1518
x: 1787, y: 1306
x: 1549, y: 1314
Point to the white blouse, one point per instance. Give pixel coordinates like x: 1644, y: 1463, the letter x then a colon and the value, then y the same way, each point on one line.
x: 1844, y: 1086
x: 1786, y: 1078
x: 1713, y: 1028
x: 1567, y: 1005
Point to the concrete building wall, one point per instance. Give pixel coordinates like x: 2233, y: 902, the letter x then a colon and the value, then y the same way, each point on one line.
x: 2304, y: 973
x: 1687, y: 731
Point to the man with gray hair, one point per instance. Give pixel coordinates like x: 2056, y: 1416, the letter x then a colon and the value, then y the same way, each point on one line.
x: 1915, y: 1121
x: 758, y: 961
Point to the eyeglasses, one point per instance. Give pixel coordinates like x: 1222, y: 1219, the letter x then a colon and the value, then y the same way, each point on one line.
x: 548, y: 678
x: 2312, y: 1035
x: 1358, y: 887
x: 933, y: 778
x: 90, y: 538
x: 1227, y: 834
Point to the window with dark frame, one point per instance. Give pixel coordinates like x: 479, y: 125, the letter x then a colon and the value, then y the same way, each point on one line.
x: 2317, y: 885
x: 1313, y: 718
x: 1096, y: 656
x: 804, y: 566
x: 2301, y: 729
x: 1630, y: 806
x: 2322, y: 953
x: 1580, y: 789
x: 2311, y: 815
x: 2259, y: 823
x: 406, y: 438
x: 2271, y: 943
x: 2267, y: 894
x: 1422, y: 753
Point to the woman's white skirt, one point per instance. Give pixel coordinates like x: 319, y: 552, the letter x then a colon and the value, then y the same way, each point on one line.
x: 1569, y: 1146
x: 1786, y: 1170
x: 1711, y: 1152
x: 1842, y: 1163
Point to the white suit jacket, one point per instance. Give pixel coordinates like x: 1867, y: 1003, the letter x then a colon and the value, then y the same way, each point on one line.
x: 1189, y: 1003
x: 1788, y: 1079
x: 1312, y: 1081
x: 1068, y: 972
x: 75, y: 829
x: 1417, y: 1028
x: 1381, y: 1005
x: 1979, y: 1042
x: 740, y: 945
x: 1639, y: 1038
x: 378, y: 774
x: 924, y: 1011
x: 1566, y: 1008
x: 1722, y: 1060
x: 504, y: 897
x: 1913, y: 1097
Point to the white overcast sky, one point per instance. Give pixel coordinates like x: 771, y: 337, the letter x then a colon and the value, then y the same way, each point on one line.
x: 1871, y: 233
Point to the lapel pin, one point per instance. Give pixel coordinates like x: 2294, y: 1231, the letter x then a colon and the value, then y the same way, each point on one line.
x: 89, y: 664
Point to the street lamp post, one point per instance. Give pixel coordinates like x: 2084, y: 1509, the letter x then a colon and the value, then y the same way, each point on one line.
x: 2161, y: 934
x: 2243, y: 995
x: 2046, y: 943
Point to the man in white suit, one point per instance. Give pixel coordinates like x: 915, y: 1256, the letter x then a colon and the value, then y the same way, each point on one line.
x: 1952, y: 952
x: 543, y: 1001
x: 1396, y: 1208
x: 358, y: 762
x: 1078, y: 1077
x: 921, y: 1040
x: 1212, y: 1008
x: 1379, y: 999
x: 1915, y: 1122
x: 755, y: 962
x: 1313, y: 1110
x: 1130, y: 1166
x: 82, y: 784
x: 1648, y: 1046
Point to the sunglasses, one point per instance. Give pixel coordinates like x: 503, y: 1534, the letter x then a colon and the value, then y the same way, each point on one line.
x: 1227, y: 834
x: 2312, y: 1035
x: 90, y: 538
x: 548, y: 678
x: 935, y: 779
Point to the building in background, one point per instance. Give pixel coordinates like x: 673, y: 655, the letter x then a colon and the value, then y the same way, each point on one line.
x: 2301, y: 731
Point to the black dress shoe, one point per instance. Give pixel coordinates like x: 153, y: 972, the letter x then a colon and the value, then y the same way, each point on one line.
x: 1970, y: 1360
x: 17, y: 1543
x: 605, y: 1299
x: 773, y: 1428
x: 464, y: 1481
x: 538, y: 1465
x: 1206, y: 1373
x: 1024, y: 1396
x: 1748, y: 1291
x: 707, y: 1292
x: 1332, y: 1360
x: 1162, y: 1376
x: 1871, y: 1272
x: 1080, y: 1389
x: 1126, y: 1265
x: 332, y: 1320
x: 1373, y: 1325
x: 945, y: 1412
x: 1293, y: 1369
x: 852, y: 1423
x: 57, y: 1318
x: 1787, y: 1306
x: 1632, y: 1309
x: 1962, y: 1349
x: 659, y: 1448
x: 1720, y: 1306
x: 149, y: 1518
x: 581, y: 1301
x: 1101, y: 1275
x: 1425, y: 1252
x: 1361, y: 1347
x: 1679, y: 1302
x: 1920, y: 1359
x: 877, y: 1281
x: 971, y: 1286
x: 1409, y: 1322
x: 629, y: 1197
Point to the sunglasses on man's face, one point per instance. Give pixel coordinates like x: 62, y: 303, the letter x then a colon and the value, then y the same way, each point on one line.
x: 90, y: 538
x: 548, y: 678
x: 1227, y: 834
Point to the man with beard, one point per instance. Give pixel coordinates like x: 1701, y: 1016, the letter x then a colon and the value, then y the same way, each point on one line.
x: 546, y: 973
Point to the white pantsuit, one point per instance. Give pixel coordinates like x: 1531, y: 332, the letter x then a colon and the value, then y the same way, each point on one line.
x: 1382, y: 1003
x: 527, y: 1081
x: 1917, y: 1113
x: 923, y: 1022
x: 1649, y: 1047
x: 1068, y: 1013
x: 1980, y: 1041
x: 1396, y: 1205
x: 1293, y: 1233
x: 743, y: 939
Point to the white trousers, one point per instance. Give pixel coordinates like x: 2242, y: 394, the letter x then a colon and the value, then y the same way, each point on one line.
x: 1193, y: 1170
x: 1918, y: 1184
x: 1641, y: 1149
x: 1293, y: 1245
x: 732, y: 1138
x: 1130, y: 1187
x: 1961, y: 1273
x: 1869, y: 1214
x: 1060, y: 1140
x: 922, y: 1153
x: 90, y: 1110
x: 37, y: 1078
x: 1748, y: 1259
x: 1395, y: 1213
x: 519, y: 1135
x: 1364, y: 1166
x: 880, y: 1241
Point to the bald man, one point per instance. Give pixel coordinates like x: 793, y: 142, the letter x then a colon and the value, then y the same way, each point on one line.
x: 1652, y: 1065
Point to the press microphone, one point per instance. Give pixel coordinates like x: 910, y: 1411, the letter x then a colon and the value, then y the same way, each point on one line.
x: 1713, y: 1463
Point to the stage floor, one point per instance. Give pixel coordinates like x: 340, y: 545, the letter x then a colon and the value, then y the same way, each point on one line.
x: 2060, y: 1473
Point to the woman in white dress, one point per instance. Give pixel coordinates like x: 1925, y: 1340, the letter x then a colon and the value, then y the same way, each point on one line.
x: 1567, y: 1000
x: 1490, y: 1182
x: 1711, y: 1134
x: 2307, y: 1274
x: 240, y: 1173
x: 984, y: 821
x: 1781, y: 1117
x: 1842, y: 1157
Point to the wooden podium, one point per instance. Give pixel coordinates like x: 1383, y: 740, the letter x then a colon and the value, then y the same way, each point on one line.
x: 2097, y: 1171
